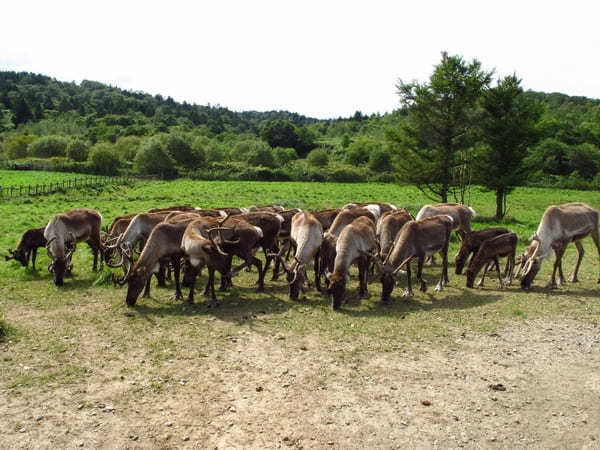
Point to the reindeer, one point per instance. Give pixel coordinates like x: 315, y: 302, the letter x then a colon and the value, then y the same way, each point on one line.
x: 461, y: 215
x: 62, y: 234
x: 489, y: 252
x: 559, y: 226
x: 326, y: 216
x: 353, y: 244
x: 388, y: 226
x: 472, y: 242
x: 417, y: 239
x: 205, y: 243
x: 328, y: 246
x: 307, y: 235
x: 164, y: 242
x: 270, y: 224
x: 285, y: 243
x: 27, y: 247
x: 376, y: 208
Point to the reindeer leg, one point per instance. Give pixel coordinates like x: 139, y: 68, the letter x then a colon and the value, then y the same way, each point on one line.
x: 261, y: 275
x: 211, y: 282
x: 317, y: 277
x: 423, y: 286
x: 444, y: 277
x: 409, y: 292
x: 510, y: 268
x: 176, y: 270
x: 363, y: 274
x: 190, y: 299
x: 33, y: 257
x: 580, y: 251
x: 559, y: 250
x: 596, y: 239
x: 146, y: 293
x: 497, y: 264
x: 486, y: 269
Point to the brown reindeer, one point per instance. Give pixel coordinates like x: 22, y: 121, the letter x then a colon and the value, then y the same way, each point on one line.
x: 211, y: 243
x: 472, y: 242
x: 417, y: 239
x: 559, y: 226
x: 504, y: 245
x: 353, y: 244
x: 27, y: 247
x: 326, y: 217
x: 388, y: 226
x: 62, y: 234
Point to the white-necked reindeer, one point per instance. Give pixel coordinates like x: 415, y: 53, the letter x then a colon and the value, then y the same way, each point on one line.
x: 559, y: 226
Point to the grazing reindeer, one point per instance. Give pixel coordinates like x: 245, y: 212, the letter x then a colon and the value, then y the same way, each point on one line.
x: 472, y: 242
x: 489, y: 252
x: 388, y: 227
x: 62, y: 234
x: 27, y: 247
x: 461, y: 215
x: 205, y: 242
x: 307, y: 235
x: 328, y: 246
x: 559, y: 226
x: 354, y: 243
x: 417, y: 239
x: 326, y: 217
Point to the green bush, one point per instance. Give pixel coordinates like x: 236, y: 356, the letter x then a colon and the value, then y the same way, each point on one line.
x: 380, y: 160
x: 253, y: 152
x: 358, y: 151
x: 15, y: 147
x: 48, y: 146
x: 346, y: 174
x: 153, y: 159
x: 127, y: 146
x: 104, y: 160
x: 77, y: 151
x: 318, y: 158
x: 284, y: 155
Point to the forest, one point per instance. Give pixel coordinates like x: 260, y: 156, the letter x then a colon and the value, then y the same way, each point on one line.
x: 550, y: 139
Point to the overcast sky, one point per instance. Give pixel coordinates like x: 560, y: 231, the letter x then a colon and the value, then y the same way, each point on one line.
x: 319, y: 58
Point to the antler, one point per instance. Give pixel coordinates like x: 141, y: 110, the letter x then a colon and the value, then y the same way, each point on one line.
x: 212, y: 240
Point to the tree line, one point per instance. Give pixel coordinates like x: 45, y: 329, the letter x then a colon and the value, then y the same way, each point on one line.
x: 456, y: 129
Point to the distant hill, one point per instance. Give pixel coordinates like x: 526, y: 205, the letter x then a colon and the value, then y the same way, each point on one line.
x: 32, y: 97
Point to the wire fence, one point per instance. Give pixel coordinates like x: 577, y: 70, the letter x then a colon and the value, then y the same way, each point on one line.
x: 73, y: 183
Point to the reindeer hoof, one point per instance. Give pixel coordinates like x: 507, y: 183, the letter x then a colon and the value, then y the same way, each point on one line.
x: 573, y: 280
x: 439, y: 287
x: 423, y: 287
x: 407, y: 294
x: 551, y: 285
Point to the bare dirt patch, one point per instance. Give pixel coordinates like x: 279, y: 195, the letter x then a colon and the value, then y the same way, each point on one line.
x: 535, y: 384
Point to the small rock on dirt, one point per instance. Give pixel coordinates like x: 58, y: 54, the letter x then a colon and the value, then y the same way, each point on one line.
x: 425, y: 403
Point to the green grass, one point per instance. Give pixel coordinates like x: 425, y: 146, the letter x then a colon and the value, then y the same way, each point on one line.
x: 31, y: 177
x: 160, y: 329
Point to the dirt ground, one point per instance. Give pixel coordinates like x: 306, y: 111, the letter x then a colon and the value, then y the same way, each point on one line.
x: 535, y: 385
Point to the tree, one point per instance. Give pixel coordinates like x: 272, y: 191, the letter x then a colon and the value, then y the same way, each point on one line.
x: 358, y: 151
x: 48, y: 146
x: 15, y: 147
x: 317, y: 158
x: 509, y: 126
x: 153, y: 159
x: 380, y: 160
x: 77, y: 150
x: 279, y: 133
x: 435, y: 139
x: 103, y: 159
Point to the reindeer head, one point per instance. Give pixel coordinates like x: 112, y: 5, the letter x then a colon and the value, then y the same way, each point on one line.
x: 61, y: 264
x: 531, y: 262
x: 296, y: 278
x: 337, y: 288
x: 135, y: 283
x: 20, y: 255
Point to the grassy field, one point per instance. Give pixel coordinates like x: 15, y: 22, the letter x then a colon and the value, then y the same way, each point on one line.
x: 83, y: 332
x: 31, y: 177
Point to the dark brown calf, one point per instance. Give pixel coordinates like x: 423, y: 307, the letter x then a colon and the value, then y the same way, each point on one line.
x: 472, y: 242
x: 490, y: 250
x: 28, y: 245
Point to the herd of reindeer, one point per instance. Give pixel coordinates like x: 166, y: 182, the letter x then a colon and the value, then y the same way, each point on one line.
x: 371, y: 235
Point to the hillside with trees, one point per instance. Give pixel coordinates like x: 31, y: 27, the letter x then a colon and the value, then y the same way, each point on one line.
x: 475, y: 131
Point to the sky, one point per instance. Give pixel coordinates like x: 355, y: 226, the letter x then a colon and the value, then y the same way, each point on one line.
x: 322, y: 59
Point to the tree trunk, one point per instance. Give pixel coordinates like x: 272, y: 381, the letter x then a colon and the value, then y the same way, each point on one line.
x: 444, y: 194
x: 499, y: 203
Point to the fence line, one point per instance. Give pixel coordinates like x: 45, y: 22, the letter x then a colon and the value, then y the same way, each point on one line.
x: 72, y: 183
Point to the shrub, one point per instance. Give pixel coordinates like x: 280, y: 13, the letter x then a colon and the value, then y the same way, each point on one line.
x: 380, y: 160
x: 346, y: 174
x: 358, y: 151
x: 180, y: 149
x: 152, y: 159
x: 318, y: 158
x: 16, y: 147
x: 48, y: 146
x: 77, y: 150
x: 104, y: 160
x: 127, y: 146
x: 284, y: 155
x: 214, y: 152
